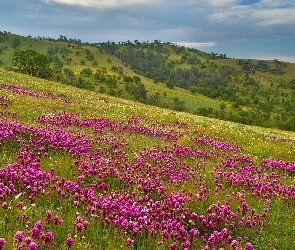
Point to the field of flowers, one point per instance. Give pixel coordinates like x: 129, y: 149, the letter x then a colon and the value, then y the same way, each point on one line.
x: 80, y: 170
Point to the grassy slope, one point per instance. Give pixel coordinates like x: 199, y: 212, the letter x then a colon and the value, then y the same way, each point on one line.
x: 256, y: 142
x: 192, y: 101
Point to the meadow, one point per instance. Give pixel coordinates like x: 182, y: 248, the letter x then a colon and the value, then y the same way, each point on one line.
x: 83, y: 170
x: 253, y: 92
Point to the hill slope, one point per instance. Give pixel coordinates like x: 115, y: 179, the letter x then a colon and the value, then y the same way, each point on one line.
x: 170, y: 76
x: 82, y: 170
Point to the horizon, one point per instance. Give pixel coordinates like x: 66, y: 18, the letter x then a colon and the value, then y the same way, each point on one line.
x: 243, y: 29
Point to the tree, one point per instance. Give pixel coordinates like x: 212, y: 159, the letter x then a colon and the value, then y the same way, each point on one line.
x: 15, y: 43
x: 136, y: 79
x: 86, y: 72
x: 32, y: 63
x: 111, y: 82
x: 98, y: 76
x: 141, y: 92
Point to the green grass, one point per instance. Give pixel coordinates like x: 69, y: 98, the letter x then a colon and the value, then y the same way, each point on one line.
x: 257, y: 142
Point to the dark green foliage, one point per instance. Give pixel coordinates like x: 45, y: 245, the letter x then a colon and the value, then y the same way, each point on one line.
x: 262, y: 66
x: 57, y: 64
x: 89, y: 55
x: 154, y: 99
x: 141, y: 92
x: 15, y: 43
x: 69, y: 76
x: 127, y: 79
x: 94, y: 63
x: 205, y: 111
x: 79, y: 82
x: 32, y: 63
x: 86, y: 72
x: 178, y: 104
x: 99, y: 76
x: 111, y: 82
x: 136, y: 79
x: 131, y: 88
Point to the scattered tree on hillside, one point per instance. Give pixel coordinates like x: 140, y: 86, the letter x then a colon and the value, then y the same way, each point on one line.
x: 15, y: 43
x: 111, y: 82
x: 32, y: 63
x: 141, y: 92
x: 86, y: 72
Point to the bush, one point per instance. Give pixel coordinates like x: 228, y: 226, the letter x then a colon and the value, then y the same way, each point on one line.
x: 32, y: 63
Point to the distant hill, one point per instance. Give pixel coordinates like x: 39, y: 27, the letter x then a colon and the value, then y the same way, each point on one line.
x: 254, y: 92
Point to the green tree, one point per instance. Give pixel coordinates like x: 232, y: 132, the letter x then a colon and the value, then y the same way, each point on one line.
x: 15, y: 43
x: 86, y: 72
x: 178, y: 104
x: 32, y: 63
x: 98, y: 76
x: 136, y: 79
x: 111, y: 82
x: 141, y: 92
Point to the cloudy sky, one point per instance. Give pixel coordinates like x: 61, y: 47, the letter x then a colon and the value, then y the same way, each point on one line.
x: 263, y: 29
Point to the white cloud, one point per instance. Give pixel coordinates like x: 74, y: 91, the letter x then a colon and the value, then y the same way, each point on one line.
x: 265, y: 12
x: 197, y: 45
x: 290, y: 59
x: 222, y: 3
x: 103, y: 3
x: 275, y: 3
x: 275, y: 16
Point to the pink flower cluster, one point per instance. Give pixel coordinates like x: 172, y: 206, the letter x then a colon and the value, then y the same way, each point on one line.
x: 100, y: 124
x: 29, y: 92
x: 29, y: 239
x: 278, y: 164
x: 240, y: 171
x: 4, y: 101
x: 139, y: 191
x: 217, y: 144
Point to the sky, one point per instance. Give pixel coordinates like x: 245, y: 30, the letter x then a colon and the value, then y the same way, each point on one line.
x: 261, y: 29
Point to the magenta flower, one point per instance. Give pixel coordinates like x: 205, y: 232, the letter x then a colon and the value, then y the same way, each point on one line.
x: 194, y: 233
x: 19, y: 205
x: 248, y: 246
x: 2, y: 243
x: 69, y: 242
x: 28, y: 240
x: 56, y: 219
x: 85, y: 224
x: 79, y: 227
x: 18, y: 236
x: 38, y: 224
x: 173, y: 246
x: 33, y: 246
x: 128, y: 242
x: 48, y: 215
x: 186, y: 244
x: 48, y: 237
x: 4, y: 205
x: 35, y: 232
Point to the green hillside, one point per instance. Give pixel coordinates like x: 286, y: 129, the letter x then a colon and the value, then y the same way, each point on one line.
x: 170, y: 76
x: 84, y: 170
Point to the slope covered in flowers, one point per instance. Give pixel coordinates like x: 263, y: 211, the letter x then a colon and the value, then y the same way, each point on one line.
x: 85, y: 171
